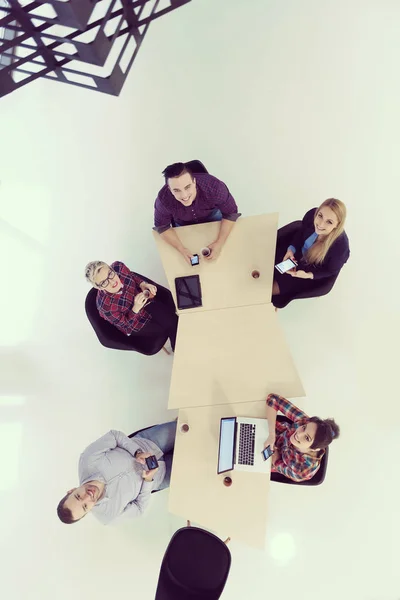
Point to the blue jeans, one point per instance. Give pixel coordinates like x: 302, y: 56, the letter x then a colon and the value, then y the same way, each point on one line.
x: 215, y: 215
x: 164, y: 436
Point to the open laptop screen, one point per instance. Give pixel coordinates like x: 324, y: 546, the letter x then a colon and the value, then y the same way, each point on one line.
x: 226, y: 450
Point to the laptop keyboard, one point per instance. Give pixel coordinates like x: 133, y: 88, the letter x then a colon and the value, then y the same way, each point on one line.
x: 246, y: 444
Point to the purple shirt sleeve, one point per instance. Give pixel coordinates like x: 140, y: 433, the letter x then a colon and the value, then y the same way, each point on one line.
x: 225, y: 201
x: 162, y: 216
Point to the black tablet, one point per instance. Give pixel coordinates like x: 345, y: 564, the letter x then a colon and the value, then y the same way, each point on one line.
x: 188, y: 291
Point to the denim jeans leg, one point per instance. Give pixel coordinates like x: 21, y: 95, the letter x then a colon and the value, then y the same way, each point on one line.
x: 168, y: 467
x: 163, y: 435
x: 215, y: 215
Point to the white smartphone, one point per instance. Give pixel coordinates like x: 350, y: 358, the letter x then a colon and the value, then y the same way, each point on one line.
x: 285, y: 265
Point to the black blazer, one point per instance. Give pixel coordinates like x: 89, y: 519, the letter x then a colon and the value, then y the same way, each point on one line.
x: 337, y: 255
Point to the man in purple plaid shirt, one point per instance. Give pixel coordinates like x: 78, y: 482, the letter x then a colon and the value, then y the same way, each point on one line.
x: 187, y: 200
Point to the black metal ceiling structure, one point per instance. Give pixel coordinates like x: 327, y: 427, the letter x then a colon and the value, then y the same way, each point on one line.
x: 86, y: 43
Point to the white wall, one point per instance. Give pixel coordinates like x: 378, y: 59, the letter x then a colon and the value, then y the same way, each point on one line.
x: 289, y: 103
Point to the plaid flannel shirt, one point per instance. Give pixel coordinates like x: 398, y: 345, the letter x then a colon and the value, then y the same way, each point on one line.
x: 211, y: 193
x: 117, y: 308
x: 296, y: 465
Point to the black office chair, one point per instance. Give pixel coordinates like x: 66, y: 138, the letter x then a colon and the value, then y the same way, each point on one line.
x: 111, y: 337
x: 196, y: 166
x: 319, y: 475
x: 196, y: 565
x: 320, y: 287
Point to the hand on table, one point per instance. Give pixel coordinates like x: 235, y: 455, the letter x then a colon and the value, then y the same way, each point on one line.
x: 215, y: 248
x: 187, y: 255
x: 140, y: 301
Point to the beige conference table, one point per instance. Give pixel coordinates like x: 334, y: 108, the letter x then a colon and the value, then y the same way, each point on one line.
x: 197, y: 493
x: 231, y: 355
x: 227, y: 281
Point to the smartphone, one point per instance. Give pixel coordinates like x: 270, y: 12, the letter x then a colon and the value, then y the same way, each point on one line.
x: 267, y: 452
x: 285, y: 265
x: 151, y: 462
x: 195, y: 260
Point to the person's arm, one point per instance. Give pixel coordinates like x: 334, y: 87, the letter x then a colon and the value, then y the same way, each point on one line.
x: 110, y: 441
x: 137, y: 507
x: 294, y: 471
x: 163, y: 219
x: 128, y: 321
x: 301, y: 235
x: 337, y: 256
x: 163, y: 216
x: 279, y: 403
x: 275, y: 403
x: 171, y: 237
x: 228, y: 207
x: 224, y: 231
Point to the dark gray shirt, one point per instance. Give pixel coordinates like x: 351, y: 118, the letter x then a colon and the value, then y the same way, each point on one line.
x: 110, y: 459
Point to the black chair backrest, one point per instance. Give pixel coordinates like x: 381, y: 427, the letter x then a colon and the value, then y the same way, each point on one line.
x: 108, y: 335
x: 196, y: 166
x: 196, y: 564
x: 287, y: 232
x: 319, y: 475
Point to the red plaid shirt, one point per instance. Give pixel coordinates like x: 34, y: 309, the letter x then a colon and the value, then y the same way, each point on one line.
x: 117, y: 308
x: 296, y: 465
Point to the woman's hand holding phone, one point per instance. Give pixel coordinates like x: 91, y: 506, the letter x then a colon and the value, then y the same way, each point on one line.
x: 270, y: 441
x: 289, y: 254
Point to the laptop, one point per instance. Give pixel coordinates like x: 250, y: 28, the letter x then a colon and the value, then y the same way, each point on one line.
x: 241, y: 442
x: 188, y: 292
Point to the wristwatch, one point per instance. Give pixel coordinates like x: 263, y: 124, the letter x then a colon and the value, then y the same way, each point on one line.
x: 138, y: 452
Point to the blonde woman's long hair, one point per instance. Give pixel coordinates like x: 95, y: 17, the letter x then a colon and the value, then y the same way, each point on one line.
x: 318, y: 251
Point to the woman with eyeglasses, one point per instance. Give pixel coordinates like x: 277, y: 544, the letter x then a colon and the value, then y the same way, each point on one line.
x: 319, y: 250
x: 130, y: 303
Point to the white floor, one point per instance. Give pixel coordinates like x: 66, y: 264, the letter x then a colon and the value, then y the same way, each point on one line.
x: 289, y: 103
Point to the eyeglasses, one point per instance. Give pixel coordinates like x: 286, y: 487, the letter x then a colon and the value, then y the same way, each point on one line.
x: 104, y: 284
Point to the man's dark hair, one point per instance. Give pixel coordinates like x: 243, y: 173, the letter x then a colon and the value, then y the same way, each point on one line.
x: 327, y: 430
x: 176, y: 170
x: 64, y: 514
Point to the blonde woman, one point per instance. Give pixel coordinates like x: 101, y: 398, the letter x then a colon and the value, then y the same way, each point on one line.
x: 320, y: 248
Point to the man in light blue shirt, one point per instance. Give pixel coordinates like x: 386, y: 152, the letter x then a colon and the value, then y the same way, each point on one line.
x: 113, y: 477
